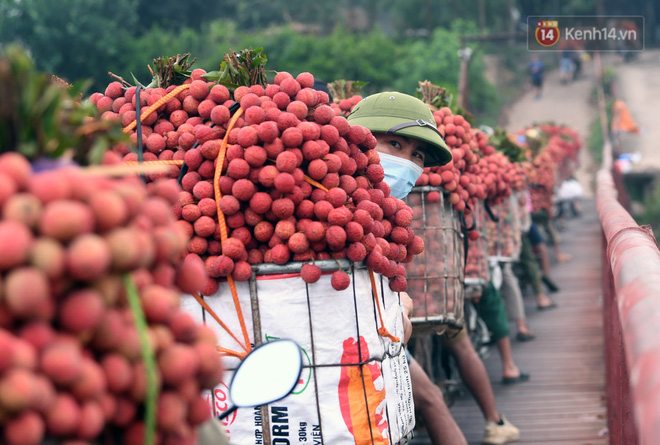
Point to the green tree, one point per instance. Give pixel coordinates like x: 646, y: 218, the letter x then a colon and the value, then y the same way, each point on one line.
x: 70, y: 38
x: 437, y: 61
x: 341, y: 55
x: 177, y: 15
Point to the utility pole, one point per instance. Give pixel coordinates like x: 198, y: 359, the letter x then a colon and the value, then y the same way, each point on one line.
x: 512, y: 18
x: 465, y: 55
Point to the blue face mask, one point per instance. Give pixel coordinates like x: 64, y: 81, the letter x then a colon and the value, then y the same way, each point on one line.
x: 400, y: 174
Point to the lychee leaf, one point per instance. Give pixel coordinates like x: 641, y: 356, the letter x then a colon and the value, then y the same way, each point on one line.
x: 212, y: 76
x: 229, y: 85
x: 137, y: 82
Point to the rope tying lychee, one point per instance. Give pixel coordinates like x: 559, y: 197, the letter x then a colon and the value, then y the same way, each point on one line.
x: 160, y: 162
x: 208, y: 309
x: 315, y: 183
x: 382, y: 331
x: 223, y: 225
x: 162, y: 101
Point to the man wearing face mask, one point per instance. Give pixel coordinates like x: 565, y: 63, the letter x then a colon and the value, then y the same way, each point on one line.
x: 408, y: 141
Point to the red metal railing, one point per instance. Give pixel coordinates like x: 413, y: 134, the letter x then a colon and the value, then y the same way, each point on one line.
x: 631, y: 313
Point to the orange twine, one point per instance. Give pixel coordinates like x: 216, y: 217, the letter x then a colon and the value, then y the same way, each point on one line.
x: 163, y: 162
x: 223, y: 225
x: 225, y: 351
x: 208, y: 309
x: 315, y: 184
x: 382, y: 331
x: 221, y: 217
x: 163, y: 100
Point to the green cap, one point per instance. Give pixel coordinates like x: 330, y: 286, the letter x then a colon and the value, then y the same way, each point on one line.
x: 403, y: 115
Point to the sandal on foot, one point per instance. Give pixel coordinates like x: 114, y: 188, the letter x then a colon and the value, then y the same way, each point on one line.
x: 547, y: 307
x: 523, y: 377
x: 522, y: 336
x: 552, y: 287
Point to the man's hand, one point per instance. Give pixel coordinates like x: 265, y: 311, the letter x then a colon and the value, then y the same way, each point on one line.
x: 407, y: 305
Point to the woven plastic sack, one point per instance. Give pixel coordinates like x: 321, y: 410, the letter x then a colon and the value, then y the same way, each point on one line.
x: 355, y: 384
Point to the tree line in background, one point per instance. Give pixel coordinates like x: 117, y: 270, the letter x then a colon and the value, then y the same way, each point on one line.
x: 390, y: 44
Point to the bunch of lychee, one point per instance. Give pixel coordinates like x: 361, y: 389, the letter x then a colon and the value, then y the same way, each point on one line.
x: 436, y: 276
x: 477, y: 254
x: 298, y: 182
x: 541, y: 173
x: 499, y: 176
x: 460, y: 177
x: 71, y: 366
x: 504, y: 234
x: 343, y: 107
x: 565, y: 137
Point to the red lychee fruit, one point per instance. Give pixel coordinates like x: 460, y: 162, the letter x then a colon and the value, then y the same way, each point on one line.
x: 298, y: 243
x: 283, y: 208
x: 356, y: 252
x: 243, y: 189
x: 290, y: 86
x: 280, y: 254
x: 310, y: 273
x: 340, y: 280
x: 284, y: 229
x: 261, y: 202
x: 242, y: 271
x: 16, y: 241
x: 286, y: 162
x: 315, y: 231
x: 88, y: 257
x: 199, y: 89
x: 336, y: 237
x: 284, y: 182
x: 263, y: 231
x: 64, y: 220
x: 398, y: 283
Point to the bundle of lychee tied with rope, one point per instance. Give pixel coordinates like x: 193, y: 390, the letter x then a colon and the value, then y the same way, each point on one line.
x: 460, y: 176
x: 270, y: 173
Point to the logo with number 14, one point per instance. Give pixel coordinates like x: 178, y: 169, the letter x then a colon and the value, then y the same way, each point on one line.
x: 547, y: 32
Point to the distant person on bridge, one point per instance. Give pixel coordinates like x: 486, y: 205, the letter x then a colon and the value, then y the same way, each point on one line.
x: 533, y: 243
x: 622, y: 122
x: 569, y: 198
x: 535, y: 69
x: 566, y: 67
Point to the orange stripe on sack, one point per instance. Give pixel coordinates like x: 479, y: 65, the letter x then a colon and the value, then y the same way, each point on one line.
x: 163, y: 100
x: 382, y: 331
